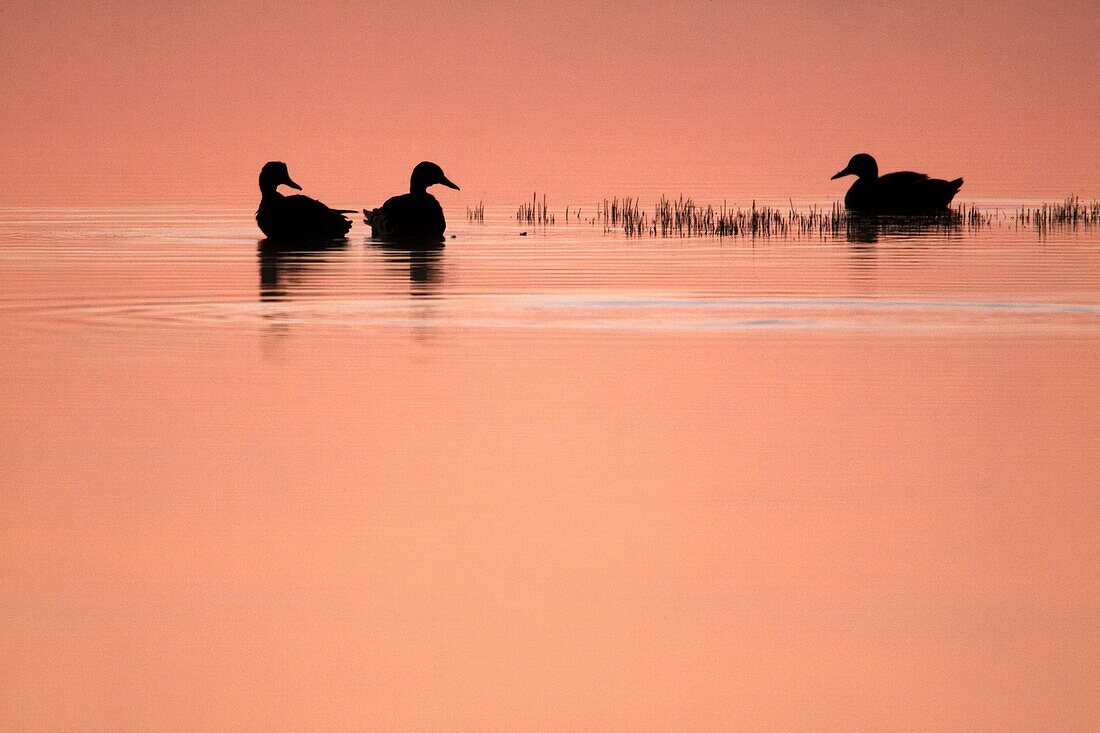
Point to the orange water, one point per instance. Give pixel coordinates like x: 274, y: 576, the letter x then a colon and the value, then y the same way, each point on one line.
x: 563, y: 481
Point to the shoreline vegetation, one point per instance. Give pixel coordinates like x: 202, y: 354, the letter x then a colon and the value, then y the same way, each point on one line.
x: 683, y: 217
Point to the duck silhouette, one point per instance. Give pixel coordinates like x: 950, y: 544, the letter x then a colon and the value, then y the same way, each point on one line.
x: 295, y: 217
x: 415, y: 215
x: 903, y: 192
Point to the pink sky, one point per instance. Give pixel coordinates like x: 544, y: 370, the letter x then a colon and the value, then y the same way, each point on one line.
x: 189, y: 100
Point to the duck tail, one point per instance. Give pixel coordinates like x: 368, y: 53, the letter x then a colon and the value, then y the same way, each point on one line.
x: 957, y: 183
x: 368, y: 215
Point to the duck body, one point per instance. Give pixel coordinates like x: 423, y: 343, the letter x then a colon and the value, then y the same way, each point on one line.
x: 297, y: 217
x: 416, y: 215
x: 408, y: 216
x: 904, y: 192
x: 300, y: 217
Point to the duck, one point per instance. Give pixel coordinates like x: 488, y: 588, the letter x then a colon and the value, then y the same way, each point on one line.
x: 903, y: 192
x: 414, y: 215
x: 295, y: 217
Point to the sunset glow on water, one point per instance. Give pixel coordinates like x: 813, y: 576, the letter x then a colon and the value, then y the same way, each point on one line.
x: 549, y: 476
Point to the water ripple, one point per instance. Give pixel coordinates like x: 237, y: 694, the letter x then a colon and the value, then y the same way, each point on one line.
x: 174, y: 268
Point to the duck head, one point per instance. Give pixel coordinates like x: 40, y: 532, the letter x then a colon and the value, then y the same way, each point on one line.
x: 428, y: 174
x: 273, y: 175
x: 861, y: 165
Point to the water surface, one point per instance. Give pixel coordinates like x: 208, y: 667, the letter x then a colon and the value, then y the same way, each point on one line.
x: 567, y: 480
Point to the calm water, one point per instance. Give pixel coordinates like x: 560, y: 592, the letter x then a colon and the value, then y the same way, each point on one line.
x: 569, y: 480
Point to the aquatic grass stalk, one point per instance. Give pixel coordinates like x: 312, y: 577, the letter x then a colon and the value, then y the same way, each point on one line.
x: 1070, y: 213
x: 683, y: 217
x: 537, y: 212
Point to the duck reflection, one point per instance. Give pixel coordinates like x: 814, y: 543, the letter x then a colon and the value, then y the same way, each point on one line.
x: 864, y: 229
x: 285, y: 264
x: 909, y: 239
x: 422, y: 260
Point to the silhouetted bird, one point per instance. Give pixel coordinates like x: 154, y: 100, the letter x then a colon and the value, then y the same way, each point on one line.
x: 903, y: 192
x: 414, y: 215
x: 295, y: 217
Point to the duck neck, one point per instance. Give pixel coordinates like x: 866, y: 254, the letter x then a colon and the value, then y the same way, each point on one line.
x: 268, y: 191
x: 418, y: 184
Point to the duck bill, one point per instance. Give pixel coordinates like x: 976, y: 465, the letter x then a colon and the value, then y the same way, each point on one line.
x: 841, y: 174
x: 446, y: 182
x: 292, y: 184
